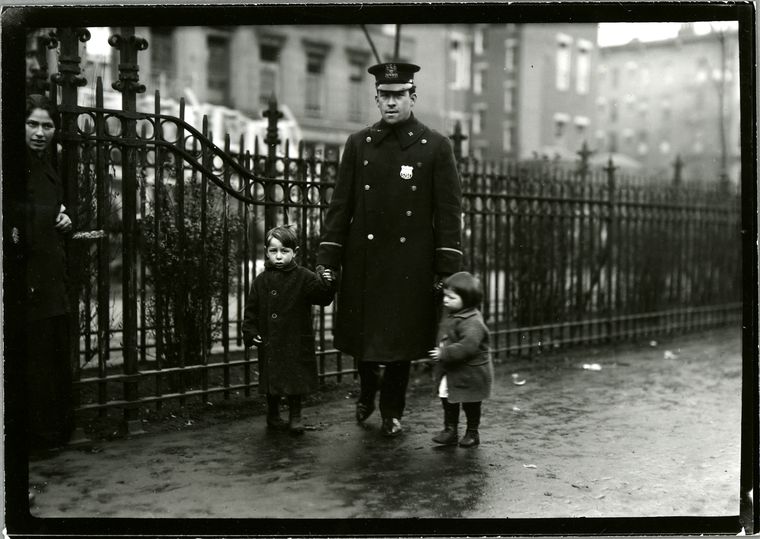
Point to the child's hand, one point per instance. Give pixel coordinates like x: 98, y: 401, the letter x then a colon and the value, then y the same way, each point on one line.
x: 435, y: 353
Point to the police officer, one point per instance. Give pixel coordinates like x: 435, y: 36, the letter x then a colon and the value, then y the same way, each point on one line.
x: 393, y: 228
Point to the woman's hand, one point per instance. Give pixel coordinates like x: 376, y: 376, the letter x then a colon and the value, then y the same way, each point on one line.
x: 62, y: 221
x: 435, y: 353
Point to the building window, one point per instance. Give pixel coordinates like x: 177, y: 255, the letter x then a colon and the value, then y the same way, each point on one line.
x: 666, y: 110
x: 509, y: 96
x: 315, y: 67
x: 506, y: 145
x: 480, y: 40
x: 162, y: 63
x: 357, y: 64
x: 510, y: 54
x: 612, y: 141
x: 479, y: 78
x: 459, y: 63
x: 218, y: 70
x: 269, y: 58
x: 601, y: 106
x: 642, y: 146
x: 583, y: 62
x: 563, y: 62
x: 668, y: 72
x: 613, y: 110
x: 581, y: 124
x: 645, y: 76
x: 560, y: 123
x: 615, y: 77
x: 478, y: 118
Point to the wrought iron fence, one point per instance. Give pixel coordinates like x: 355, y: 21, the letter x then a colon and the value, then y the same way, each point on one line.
x: 171, y: 228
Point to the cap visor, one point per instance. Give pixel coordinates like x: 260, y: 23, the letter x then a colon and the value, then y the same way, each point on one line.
x: 394, y: 87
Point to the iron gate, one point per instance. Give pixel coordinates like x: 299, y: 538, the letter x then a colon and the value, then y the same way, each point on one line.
x: 567, y: 256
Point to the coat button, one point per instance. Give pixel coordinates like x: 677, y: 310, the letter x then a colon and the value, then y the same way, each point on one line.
x: 402, y: 239
x: 408, y: 213
x: 274, y: 292
x: 366, y: 187
x: 424, y: 141
x: 366, y: 162
x: 370, y: 236
x: 274, y: 315
x: 414, y: 187
x: 368, y: 139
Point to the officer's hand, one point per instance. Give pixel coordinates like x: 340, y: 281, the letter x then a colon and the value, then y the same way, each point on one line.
x: 328, y: 275
x: 437, y: 283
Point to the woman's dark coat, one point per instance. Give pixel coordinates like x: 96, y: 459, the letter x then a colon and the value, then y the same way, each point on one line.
x: 48, y: 369
x: 394, y: 222
x: 44, y: 245
x: 279, y: 310
x: 465, y: 357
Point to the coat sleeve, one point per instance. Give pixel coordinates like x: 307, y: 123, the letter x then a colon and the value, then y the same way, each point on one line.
x: 318, y: 290
x: 447, y: 218
x: 338, y: 217
x: 251, y: 316
x: 467, y: 347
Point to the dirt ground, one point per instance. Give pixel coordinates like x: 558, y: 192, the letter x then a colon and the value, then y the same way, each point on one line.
x: 636, y: 430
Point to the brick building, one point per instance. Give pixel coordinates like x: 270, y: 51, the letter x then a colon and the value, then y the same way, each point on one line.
x: 533, y: 92
x: 672, y: 98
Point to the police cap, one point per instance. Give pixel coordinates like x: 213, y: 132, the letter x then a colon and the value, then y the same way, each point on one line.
x: 394, y: 76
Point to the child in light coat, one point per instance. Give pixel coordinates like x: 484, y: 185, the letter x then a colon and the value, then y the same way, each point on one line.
x: 463, y: 370
x: 278, y: 320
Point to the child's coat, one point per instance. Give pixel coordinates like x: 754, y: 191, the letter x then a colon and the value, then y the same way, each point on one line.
x: 465, y: 357
x: 279, y: 309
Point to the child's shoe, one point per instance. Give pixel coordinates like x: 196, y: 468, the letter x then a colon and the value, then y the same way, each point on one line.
x: 448, y: 436
x: 471, y: 438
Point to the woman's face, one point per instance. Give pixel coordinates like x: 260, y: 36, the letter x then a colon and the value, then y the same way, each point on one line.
x: 39, y: 130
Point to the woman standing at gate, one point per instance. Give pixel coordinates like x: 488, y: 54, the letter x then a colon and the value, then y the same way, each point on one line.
x: 41, y: 234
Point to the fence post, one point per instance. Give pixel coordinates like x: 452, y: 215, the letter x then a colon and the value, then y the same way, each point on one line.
x: 611, y: 221
x: 458, y: 137
x: 272, y: 140
x: 677, y: 169
x: 69, y: 79
x: 129, y: 86
x: 583, y: 166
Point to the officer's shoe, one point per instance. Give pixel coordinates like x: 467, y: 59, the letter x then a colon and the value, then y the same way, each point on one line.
x: 471, y: 438
x: 363, y: 411
x: 448, y: 436
x: 391, y: 427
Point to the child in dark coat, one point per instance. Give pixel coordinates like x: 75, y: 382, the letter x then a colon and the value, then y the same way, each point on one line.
x: 463, y: 369
x: 278, y: 320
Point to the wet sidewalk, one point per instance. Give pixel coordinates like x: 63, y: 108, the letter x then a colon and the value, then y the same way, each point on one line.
x: 639, y: 430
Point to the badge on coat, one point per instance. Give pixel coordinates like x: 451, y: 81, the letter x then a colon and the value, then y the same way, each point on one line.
x: 406, y: 172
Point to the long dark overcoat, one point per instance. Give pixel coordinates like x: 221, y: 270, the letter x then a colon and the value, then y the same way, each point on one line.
x: 465, y: 357
x: 394, y: 222
x: 44, y: 245
x: 279, y: 310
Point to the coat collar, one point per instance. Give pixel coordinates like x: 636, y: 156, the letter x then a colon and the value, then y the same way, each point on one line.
x: 465, y: 313
x: 290, y: 267
x: 407, y: 132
